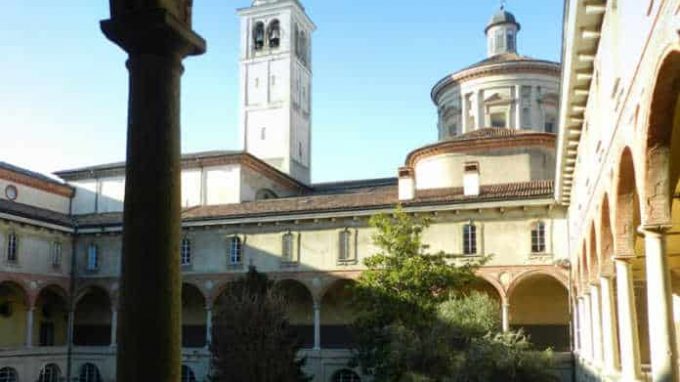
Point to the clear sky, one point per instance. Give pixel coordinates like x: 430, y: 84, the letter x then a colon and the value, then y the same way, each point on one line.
x: 63, y: 86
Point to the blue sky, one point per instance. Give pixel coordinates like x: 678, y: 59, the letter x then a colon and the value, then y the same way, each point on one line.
x: 63, y: 86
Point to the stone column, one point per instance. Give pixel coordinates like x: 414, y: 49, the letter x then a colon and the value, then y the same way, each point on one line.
x: 208, y: 326
x: 659, y: 307
x: 317, y: 326
x: 114, y: 325
x: 505, y: 316
x: 518, y: 108
x: 464, y: 114
x: 596, y: 324
x: 157, y: 36
x: 69, y: 329
x: 587, y: 329
x: 628, y: 333
x: 609, y: 322
x: 29, y: 326
x: 576, y: 326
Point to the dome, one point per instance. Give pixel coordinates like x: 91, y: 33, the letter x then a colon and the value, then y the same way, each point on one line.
x: 502, y: 17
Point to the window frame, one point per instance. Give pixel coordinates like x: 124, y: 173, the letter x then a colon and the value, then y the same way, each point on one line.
x: 185, y: 251
x: 8, y: 374
x: 346, y: 247
x: 92, y: 258
x: 470, y: 245
x: 89, y: 372
x: 289, y: 248
x: 235, y: 251
x: 12, y: 248
x: 56, y: 253
x: 538, y: 237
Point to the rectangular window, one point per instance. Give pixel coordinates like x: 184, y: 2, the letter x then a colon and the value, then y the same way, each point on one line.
x: 92, y: 258
x: 12, y: 248
x: 345, y: 246
x: 185, y: 252
x: 288, y: 248
x: 235, y: 251
x: 526, y: 117
x: 498, y: 120
x: 538, y: 238
x: 511, y: 41
x: 499, y: 41
x: 56, y: 254
x: 469, y: 239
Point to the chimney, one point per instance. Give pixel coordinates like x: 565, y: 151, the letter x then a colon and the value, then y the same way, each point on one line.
x: 407, y: 183
x: 471, y: 179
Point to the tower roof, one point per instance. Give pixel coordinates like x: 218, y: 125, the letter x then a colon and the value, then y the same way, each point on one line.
x: 502, y: 17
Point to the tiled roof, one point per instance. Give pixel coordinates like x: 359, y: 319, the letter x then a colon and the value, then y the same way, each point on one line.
x: 509, y: 57
x: 379, y: 197
x: 32, y: 174
x: 30, y: 212
x: 489, y: 132
x: 362, y: 185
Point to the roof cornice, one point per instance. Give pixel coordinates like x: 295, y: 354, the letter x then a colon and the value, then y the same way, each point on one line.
x: 581, y: 36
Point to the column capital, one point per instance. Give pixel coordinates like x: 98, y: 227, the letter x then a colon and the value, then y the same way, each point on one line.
x: 153, y: 31
x: 653, y: 229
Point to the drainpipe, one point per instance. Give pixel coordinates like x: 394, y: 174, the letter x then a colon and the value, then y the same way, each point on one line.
x: 72, y: 291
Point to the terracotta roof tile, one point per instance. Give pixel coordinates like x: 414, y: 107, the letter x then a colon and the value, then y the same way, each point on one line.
x: 31, y: 212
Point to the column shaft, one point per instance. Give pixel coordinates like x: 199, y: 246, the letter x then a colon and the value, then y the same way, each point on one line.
x: 587, y: 328
x: 660, y: 309
x: 29, y: 326
x: 596, y: 324
x: 505, y: 317
x: 317, y: 326
x: 628, y: 332
x: 114, y: 326
x: 609, y: 338
x: 208, y: 326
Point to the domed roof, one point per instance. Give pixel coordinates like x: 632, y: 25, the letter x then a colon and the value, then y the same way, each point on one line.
x: 502, y: 17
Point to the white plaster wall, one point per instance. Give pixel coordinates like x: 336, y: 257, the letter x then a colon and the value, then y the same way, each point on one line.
x: 111, y: 195
x: 36, y: 197
x: 446, y: 170
x: 252, y: 182
x: 34, y: 251
x: 223, y: 184
x: 192, y: 187
x: 84, y: 201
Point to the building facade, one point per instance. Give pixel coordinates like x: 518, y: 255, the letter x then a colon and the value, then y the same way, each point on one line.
x: 617, y: 171
x: 61, y: 239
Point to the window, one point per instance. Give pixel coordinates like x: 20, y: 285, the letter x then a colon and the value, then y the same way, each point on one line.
x: 7, y: 374
x: 92, y: 257
x: 538, y: 237
x: 188, y: 374
x: 258, y: 35
x: 185, y: 252
x: 511, y: 41
x: 235, y: 251
x: 526, y: 117
x: 469, y: 239
x: 499, y: 41
x: 346, y: 375
x: 549, y: 125
x: 50, y: 373
x: 11, y: 192
x: 263, y: 133
x: 288, y: 247
x: 498, y: 120
x: 12, y: 247
x: 345, y: 246
x: 89, y: 373
x: 56, y: 251
x: 46, y: 333
x: 274, y: 33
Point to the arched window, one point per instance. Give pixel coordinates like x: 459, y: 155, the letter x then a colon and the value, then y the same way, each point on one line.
x: 346, y: 375
x: 274, y: 33
x: 92, y: 257
x: 235, y: 251
x: 345, y: 247
x: 538, y: 237
x: 264, y: 194
x: 188, y: 374
x: 185, y: 251
x: 7, y: 374
x: 12, y: 244
x: 469, y: 239
x: 89, y: 373
x: 258, y: 35
x: 288, y: 247
x: 50, y: 373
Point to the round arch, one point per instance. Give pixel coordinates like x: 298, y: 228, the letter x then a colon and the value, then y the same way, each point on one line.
x: 13, y: 308
x: 606, y: 239
x: 539, y: 305
x: 627, y: 208
x: 92, y: 317
x: 300, y: 308
x: 337, y: 315
x: 8, y: 374
x: 661, y: 173
x: 194, y: 332
x: 50, y: 317
x: 489, y: 284
x: 593, y: 257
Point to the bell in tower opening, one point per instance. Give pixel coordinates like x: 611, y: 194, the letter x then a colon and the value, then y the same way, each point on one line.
x: 258, y: 35
x: 274, y: 33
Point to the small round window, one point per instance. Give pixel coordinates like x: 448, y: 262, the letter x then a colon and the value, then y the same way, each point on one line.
x: 11, y: 192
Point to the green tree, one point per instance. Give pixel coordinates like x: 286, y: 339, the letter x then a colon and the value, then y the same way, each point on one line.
x: 417, y: 320
x: 252, y: 339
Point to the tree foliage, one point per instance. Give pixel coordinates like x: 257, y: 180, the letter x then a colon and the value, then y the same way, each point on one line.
x: 417, y: 319
x: 252, y: 339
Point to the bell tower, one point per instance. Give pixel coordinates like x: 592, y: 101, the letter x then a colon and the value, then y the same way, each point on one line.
x: 275, y: 85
